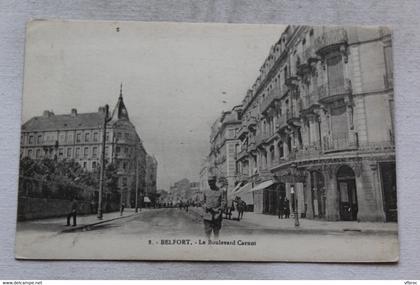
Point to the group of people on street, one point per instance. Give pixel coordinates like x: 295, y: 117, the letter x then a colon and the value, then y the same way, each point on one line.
x: 284, y: 208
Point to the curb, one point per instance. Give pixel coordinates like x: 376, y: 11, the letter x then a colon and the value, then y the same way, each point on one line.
x: 311, y: 231
x: 86, y: 226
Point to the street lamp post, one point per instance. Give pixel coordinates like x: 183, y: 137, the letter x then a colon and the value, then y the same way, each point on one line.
x: 137, y: 185
x: 102, y: 173
x: 294, y: 193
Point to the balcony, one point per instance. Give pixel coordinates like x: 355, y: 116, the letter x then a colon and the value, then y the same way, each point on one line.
x: 309, y: 55
x: 242, y: 176
x: 242, y: 132
x: 292, y: 82
x: 309, y: 152
x: 327, y: 93
x: 340, y: 144
x: 330, y: 40
x: 251, y: 123
x: 252, y: 145
x: 293, y: 117
x: 243, y: 153
x: 272, y: 97
x: 281, y: 122
x: 311, y: 100
x: 259, y: 140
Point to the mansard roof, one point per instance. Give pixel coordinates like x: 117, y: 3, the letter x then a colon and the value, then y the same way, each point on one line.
x: 51, y: 122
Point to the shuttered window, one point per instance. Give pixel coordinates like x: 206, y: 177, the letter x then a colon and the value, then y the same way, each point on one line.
x: 335, y: 74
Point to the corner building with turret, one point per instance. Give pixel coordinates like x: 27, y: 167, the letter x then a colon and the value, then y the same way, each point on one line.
x: 78, y: 136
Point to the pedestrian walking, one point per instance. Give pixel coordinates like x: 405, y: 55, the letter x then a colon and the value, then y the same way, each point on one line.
x: 73, y: 213
x: 281, y: 207
x: 122, y: 208
x: 213, y: 204
x: 286, y: 208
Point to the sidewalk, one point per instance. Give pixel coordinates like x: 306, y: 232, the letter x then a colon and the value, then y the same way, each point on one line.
x: 253, y: 220
x: 59, y: 224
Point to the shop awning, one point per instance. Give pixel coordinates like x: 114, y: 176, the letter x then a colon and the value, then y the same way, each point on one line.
x: 245, y: 194
x: 246, y: 188
x: 262, y: 185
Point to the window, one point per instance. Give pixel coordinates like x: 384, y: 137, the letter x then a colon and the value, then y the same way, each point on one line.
x: 107, y: 136
x: 69, y: 152
x: 85, y: 152
x: 281, y: 150
x: 93, y: 164
x: 126, y: 150
x: 62, y: 138
x: 38, y: 153
x: 78, y: 137
x: 118, y: 136
x: 60, y: 152
x: 125, y: 165
x: 335, y: 74
x: 78, y: 152
x: 30, y: 153
x: 39, y: 140
x: 94, y: 152
x: 31, y: 139
x: 127, y: 136
x: 117, y: 149
x: 69, y: 137
x: 285, y: 73
x: 87, y: 137
x: 95, y: 137
x: 124, y: 181
x: 84, y: 164
x: 106, y: 151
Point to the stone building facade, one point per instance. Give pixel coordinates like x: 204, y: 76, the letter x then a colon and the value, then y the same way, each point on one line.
x: 150, y: 178
x: 224, y: 145
x: 78, y: 136
x: 318, y: 121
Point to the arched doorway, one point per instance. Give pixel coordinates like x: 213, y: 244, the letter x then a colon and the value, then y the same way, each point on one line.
x: 347, y: 193
x: 318, y: 194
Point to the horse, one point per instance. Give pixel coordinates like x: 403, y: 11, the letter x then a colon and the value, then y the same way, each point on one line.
x: 240, y: 207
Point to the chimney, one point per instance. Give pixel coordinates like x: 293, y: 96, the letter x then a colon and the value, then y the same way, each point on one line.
x: 74, y: 112
x: 101, y: 110
x: 47, y: 114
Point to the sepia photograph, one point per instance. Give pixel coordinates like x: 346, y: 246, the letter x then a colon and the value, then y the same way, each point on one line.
x: 207, y: 142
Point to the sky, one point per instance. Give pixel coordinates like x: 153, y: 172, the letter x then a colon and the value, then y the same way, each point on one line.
x: 177, y: 78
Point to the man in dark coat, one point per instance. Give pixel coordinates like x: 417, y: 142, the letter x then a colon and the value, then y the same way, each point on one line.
x: 286, y: 208
x: 281, y: 207
x: 73, y: 213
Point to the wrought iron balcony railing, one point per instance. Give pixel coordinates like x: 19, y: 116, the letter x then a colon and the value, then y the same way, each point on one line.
x: 326, y: 91
x: 270, y: 99
x: 329, y: 38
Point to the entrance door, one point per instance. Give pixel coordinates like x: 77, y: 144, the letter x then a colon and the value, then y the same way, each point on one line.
x: 389, y: 187
x: 347, y: 193
x: 318, y: 194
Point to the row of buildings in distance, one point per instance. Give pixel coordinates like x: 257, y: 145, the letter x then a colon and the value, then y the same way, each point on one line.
x: 79, y: 136
x: 317, y: 122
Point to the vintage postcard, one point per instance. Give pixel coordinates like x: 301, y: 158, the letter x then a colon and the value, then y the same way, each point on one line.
x: 182, y: 141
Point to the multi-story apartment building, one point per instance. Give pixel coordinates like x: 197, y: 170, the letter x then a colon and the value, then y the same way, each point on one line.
x: 204, y: 176
x: 79, y: 137
x: 151, y: 177
x: 223, y: 146
x: 318, y: 121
